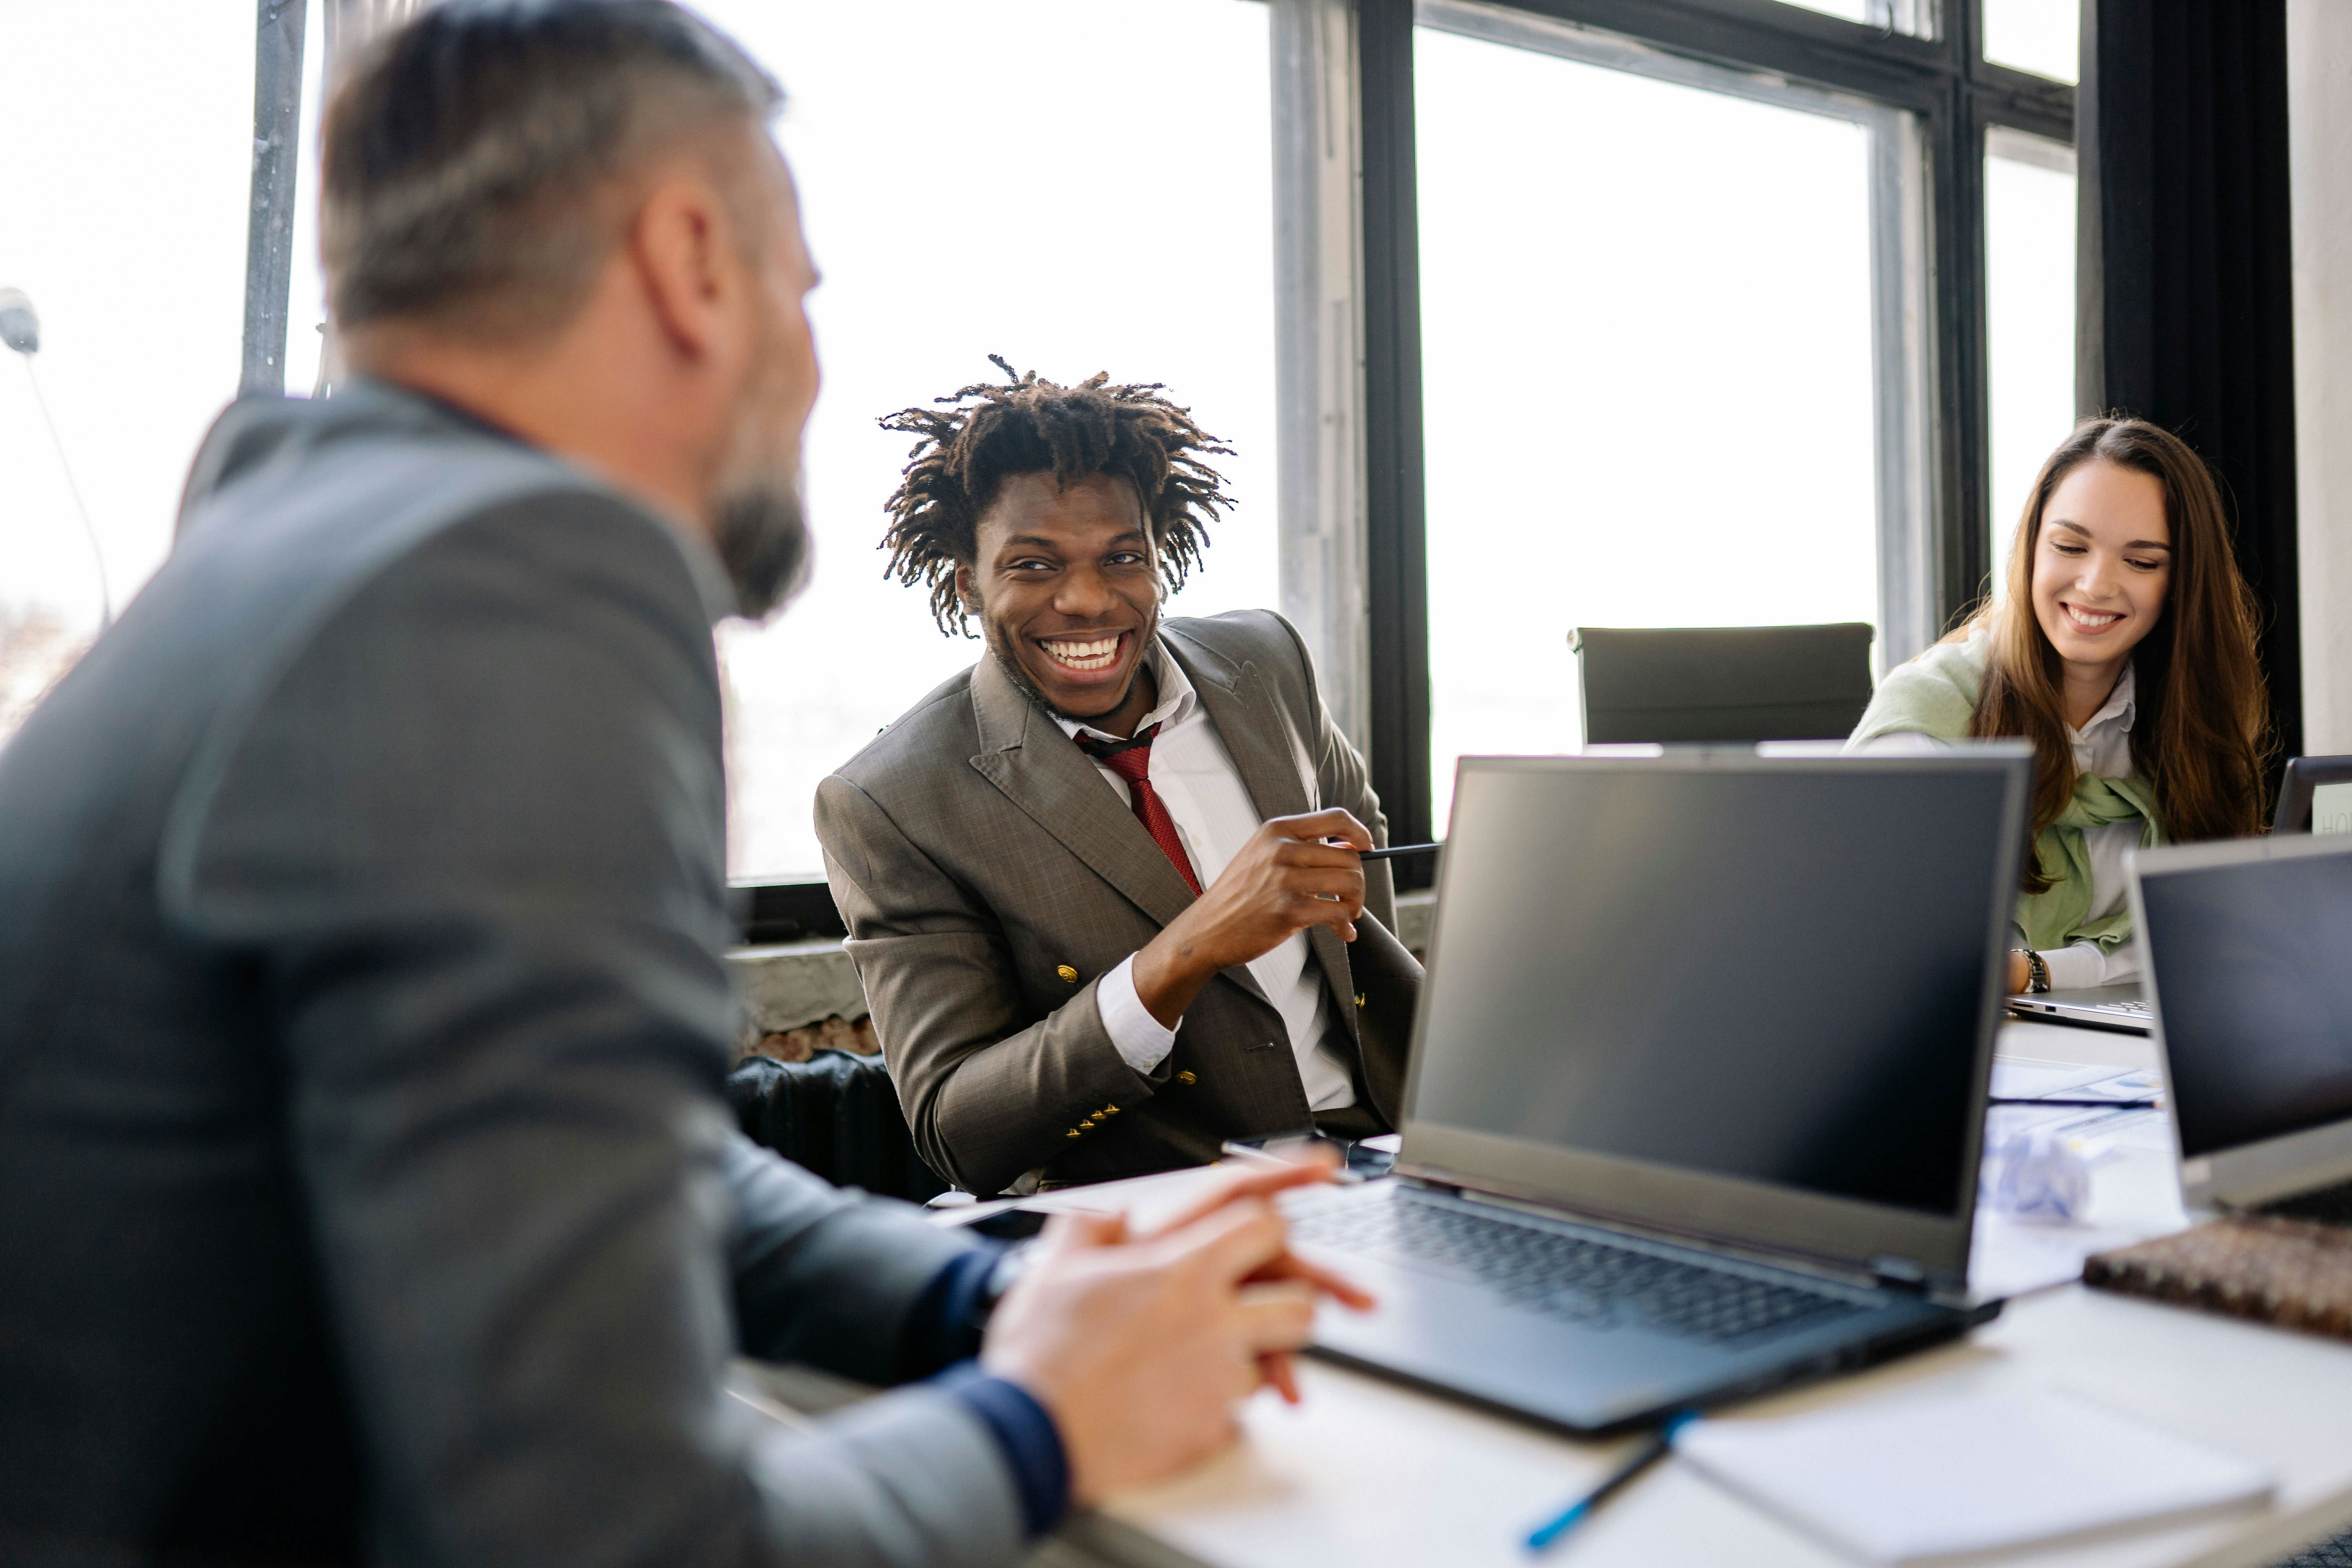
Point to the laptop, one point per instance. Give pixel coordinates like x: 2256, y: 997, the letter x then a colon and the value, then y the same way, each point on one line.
x: 2314, y: 796
x: 1698, y: 1080
x: 2123, y: 1007
x: 2245, y: 942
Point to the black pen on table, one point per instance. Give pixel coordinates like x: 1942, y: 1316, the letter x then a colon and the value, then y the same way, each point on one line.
x: 1649, y: 1454
x: 2063, y: 1103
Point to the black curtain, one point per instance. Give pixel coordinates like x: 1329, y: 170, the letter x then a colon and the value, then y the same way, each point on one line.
x: 2186, y: 315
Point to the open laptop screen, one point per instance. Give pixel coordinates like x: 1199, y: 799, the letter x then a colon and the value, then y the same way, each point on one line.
x: 1773, y: 970
x: 2248, y: 956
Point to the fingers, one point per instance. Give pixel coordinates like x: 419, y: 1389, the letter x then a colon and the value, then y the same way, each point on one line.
x: 1317, y: 825
x: 1301, y: 856
x: 1280, y: 1371
x: 1229, y: 1244
x: 1345, y: 883
x: 1339, y: 1286
x: 1070, y: 1232
x: 1275, y: 1317
x: 1313, y: 1164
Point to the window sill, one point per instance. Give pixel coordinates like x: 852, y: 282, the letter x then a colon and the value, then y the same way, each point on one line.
x: 792, y: 985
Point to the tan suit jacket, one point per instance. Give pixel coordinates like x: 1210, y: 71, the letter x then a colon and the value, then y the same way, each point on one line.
x: 990, y: 878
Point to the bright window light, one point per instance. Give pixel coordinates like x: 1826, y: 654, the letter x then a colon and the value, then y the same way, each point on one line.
x: 1079, y: 185
x: 1646, y: 370
x: 124, y: 222
x: 2039, y: 36
x: 2029, y: 316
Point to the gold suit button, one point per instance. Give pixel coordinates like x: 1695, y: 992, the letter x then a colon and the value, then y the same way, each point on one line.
x: 1069, y: 975
x: 1359, y: 998
x: 1073, y: 1133
x: 1188, y: 1076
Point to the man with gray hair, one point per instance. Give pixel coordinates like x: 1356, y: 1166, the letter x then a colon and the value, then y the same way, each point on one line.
x: 366, y: 1191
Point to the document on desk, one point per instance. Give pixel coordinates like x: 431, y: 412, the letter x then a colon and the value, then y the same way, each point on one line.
x: 1913, y: 1479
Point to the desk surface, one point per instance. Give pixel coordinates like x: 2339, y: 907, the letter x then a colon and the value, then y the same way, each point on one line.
x: 1366, y: 1473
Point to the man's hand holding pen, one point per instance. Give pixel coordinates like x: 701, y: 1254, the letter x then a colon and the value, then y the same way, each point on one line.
x: 1284, y: 879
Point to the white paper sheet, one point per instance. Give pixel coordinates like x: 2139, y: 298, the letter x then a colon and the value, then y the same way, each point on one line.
x: 1911, y: 1478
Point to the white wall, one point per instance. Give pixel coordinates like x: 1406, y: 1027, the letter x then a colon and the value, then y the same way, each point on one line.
x: 2319, y: 99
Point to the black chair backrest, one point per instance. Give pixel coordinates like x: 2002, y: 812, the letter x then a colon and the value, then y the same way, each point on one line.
x: 836, y: 1115
x: 1687, y: 684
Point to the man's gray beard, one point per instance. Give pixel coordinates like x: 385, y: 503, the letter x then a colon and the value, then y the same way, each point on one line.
x: 763, y: 542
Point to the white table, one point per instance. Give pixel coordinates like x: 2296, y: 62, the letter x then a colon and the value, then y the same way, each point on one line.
x: 1367, y: 1474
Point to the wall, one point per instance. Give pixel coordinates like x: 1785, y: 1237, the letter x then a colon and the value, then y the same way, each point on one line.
x: 2319, y: 107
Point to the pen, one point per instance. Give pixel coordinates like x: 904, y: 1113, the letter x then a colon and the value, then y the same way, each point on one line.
x: 1393, y: 850
x: 1649, y: 1454
x: 2102, y: 1104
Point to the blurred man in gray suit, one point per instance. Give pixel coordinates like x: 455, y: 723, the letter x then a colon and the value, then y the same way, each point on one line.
x: 367, y: 1192
x: 1087, y: 882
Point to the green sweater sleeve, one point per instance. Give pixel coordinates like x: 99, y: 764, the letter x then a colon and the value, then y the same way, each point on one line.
x: 1935, y: 694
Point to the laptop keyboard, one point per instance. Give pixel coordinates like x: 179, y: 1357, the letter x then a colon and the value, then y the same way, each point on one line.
x: 2134, y: 1009
x: 1572, y: 1277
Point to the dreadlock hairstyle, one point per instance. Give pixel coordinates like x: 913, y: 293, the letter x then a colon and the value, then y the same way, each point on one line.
x: 968, y: 445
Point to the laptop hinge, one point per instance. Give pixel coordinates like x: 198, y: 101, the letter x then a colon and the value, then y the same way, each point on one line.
x: 1899, y: 1273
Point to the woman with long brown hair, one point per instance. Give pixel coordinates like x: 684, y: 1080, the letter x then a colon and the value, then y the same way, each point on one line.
x: 2122, y: 646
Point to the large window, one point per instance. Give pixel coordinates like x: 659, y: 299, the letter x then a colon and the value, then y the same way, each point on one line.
x: 124, y: 224
x: 1646, y: 364
x: 1079, y: 185
x: 2029, y: 316
x: 1679, y: 316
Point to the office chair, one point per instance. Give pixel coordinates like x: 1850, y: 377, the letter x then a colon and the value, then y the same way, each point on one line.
x: 1694, y: 684
x: 835, y: 1114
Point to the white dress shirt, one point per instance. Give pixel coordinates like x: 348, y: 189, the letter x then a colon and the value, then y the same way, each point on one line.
x: 2102, y: 747
x: 1196, y: 779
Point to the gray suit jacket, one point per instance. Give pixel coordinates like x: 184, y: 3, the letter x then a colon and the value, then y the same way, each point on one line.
x: 365, y: 1186
x: 989, y: 878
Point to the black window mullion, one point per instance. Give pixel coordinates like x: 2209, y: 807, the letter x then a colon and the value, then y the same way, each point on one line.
x: 1395, y: 519
x: 1764, y: 36
x: 1964, y: 552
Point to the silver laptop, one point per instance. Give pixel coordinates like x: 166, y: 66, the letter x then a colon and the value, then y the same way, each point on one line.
x: 2103, y: 1006
x: 1698, y: 1080
x: 2246, y: 943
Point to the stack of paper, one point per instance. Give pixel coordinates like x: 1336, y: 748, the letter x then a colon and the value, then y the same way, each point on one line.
x: 1900, y: 1481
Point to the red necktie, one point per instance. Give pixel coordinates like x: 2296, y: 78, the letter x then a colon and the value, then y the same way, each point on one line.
x: 1131, y: 760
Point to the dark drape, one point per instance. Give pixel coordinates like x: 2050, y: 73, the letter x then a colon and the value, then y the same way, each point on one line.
x: 2186, y: 311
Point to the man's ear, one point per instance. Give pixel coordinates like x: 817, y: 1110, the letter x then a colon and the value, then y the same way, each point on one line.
x: 684, y: 253
x: 967, y: 591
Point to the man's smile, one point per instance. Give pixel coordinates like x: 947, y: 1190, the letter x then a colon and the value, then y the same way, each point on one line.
x: 1086, y: 655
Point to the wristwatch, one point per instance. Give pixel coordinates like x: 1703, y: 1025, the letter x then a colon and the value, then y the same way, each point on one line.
x: 2037, y: 972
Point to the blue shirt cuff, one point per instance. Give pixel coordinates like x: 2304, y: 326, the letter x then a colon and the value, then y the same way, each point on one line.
x: 1032, y: 1444
x: 945, y: 1325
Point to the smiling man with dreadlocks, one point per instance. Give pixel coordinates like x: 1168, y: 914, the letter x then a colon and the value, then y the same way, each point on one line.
x: 1086, y: 881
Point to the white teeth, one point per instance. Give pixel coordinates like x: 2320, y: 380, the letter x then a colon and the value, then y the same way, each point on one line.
x: 2093, y: 617
x: 1094, y: 653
